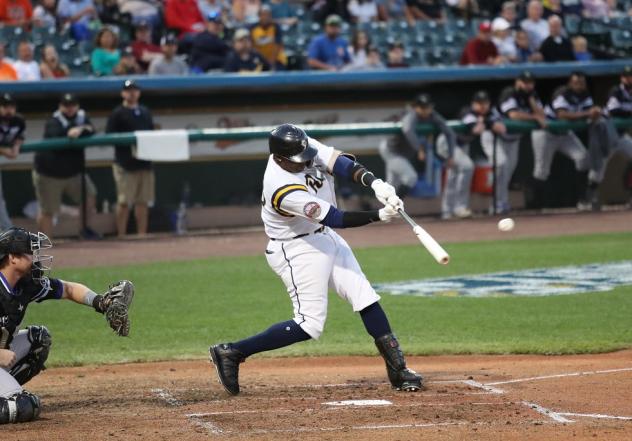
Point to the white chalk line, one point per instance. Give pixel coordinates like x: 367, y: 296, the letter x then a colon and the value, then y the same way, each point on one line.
x: 207, y: 425
x: 547, y: 412
x: 344, y: 428
x: 595, y: 415
x: 485, y: 387
x: 336, y: 409
x: 569, y: 374
x: 168, y: 398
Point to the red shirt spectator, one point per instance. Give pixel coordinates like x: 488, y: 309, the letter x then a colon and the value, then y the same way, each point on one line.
x: 15, y: 12
x: 481, y: 49
x: 183, y: 15
x: 143, y: 48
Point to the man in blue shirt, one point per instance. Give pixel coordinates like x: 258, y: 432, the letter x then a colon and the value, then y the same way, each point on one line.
x: 328, y: 51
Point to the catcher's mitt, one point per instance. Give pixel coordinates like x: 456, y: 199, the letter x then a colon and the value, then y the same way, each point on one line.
x: 115, y: 306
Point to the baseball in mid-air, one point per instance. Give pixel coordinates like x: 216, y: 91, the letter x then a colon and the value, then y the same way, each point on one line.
x: 506, y: 224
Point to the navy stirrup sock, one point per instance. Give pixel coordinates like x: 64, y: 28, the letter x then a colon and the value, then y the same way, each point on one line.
x: 375, y: 320
x: 275, y: 337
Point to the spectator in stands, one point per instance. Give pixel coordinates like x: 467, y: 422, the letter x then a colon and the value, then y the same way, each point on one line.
x: 50, y: 66
x: 144, y: 49
x: 551, y: 7
x: 503, y: 39
x: 427, y: 10
x: 267, y: 39
x: 183, y: 16
x: 169, y: 63
x: 12, y: 126
x: 217, y: 7
x: 580, y: 49
x: 362, y: 11
x: 396, y: 55
x: 7, y: 71
x: 358, y: 50
x: 481, y: 49
x: 143, y: 11
x: 394, y: 10
x: 25, y: 66
x: 16, y: 12
x: 402, y: 152
x: 556, y: 47
x: 596, y: 8
x: 243, y: 58
x: 328, y: 51
x: 537, y: 28
x: 508, y: 12
x: 77, y: 14
x: 105, y: 55
x: 568, y: 7
x: 134, y: 178
x: 519, y: 103
x: 209, y: 50
x: 59, y: 172
x: 110, y: 14
x: 244, y: 12
x: 372, y: 61
x: 464, y: 8
x: 45, y: 14
x: 282, y: 12
x: 524, y: 53
x: 322, y: 9
x: 571, y: 102
x: 127, y: 64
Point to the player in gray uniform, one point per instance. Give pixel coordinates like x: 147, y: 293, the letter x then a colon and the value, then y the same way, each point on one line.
x: 405, y: 149
x: 299, y: 214
x: 478, y: 118
x: 23, y: 281
x: 604, y: 140
x: 571, y: 102
x: 520, y: 103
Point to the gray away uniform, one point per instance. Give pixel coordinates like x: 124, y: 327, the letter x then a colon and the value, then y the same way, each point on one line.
x: 400, y: 151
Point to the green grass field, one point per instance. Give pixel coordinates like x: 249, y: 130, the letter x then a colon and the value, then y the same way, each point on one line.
x: 182, y: 307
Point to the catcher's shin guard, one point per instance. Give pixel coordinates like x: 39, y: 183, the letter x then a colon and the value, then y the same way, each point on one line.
x: 226, y: 360
x: 400, y: 376
x: 33, y: 362
x: 19, y: 408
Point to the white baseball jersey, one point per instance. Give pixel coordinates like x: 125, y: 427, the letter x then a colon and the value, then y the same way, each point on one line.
x: 294, y: 203
x: 318, y: 259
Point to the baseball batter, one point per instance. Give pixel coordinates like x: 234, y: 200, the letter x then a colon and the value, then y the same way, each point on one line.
x: 299, y: 214
x: 23, y: 352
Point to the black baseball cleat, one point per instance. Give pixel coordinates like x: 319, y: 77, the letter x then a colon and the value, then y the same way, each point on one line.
x: 226, y: 360
x: 408, y: 381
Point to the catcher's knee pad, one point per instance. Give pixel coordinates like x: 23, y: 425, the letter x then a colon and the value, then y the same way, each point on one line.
x: 33, y: 363
x: 19, y: 408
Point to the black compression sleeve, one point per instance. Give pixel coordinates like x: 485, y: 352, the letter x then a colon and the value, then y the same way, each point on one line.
x: 352, y: 219
x: 361, y: 175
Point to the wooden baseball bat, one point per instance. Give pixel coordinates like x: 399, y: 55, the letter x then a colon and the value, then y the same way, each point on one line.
x: 426, y: 240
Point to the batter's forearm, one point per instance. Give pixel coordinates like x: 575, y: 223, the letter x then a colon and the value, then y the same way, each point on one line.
x: 358, y: 173
x: 348, y: 219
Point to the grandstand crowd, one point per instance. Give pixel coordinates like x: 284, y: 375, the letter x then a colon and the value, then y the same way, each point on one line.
x: 60, y: 38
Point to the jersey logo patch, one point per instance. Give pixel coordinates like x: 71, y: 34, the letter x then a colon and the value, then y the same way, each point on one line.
x: 314, y: 182
x: 312, y: 210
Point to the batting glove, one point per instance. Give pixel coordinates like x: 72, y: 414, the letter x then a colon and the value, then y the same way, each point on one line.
x: 388, y: 213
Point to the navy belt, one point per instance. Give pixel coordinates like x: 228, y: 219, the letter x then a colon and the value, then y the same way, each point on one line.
x: 320, y: 230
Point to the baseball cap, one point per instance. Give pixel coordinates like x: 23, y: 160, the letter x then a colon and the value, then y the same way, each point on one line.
x: 130, y: 84
x: 214, y: 16
x: 423, y: 100
x: 481, y: 97
x: 526, y: 76
x: 6, y: 99
x: 500, y: 24
x: 168, y: 39
x: 333, y: 20
x: 485, y: 26
x: 143, y: 24
x: 627, y: 71
x: 68, y: 99
x: 241, y: 33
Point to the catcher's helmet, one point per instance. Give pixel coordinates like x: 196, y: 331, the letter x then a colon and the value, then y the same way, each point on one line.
x: 291, y: 143
x: 19, y: 241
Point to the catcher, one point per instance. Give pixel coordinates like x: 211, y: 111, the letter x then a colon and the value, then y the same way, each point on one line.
x: 23, y: 280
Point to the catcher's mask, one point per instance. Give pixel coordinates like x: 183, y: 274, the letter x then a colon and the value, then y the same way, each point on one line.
x: 19, y: 241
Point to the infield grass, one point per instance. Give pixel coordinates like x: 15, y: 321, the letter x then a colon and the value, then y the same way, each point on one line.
x: 182, y: 307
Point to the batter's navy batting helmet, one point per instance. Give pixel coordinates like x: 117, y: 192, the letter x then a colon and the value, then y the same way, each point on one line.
x: 291, y: 143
